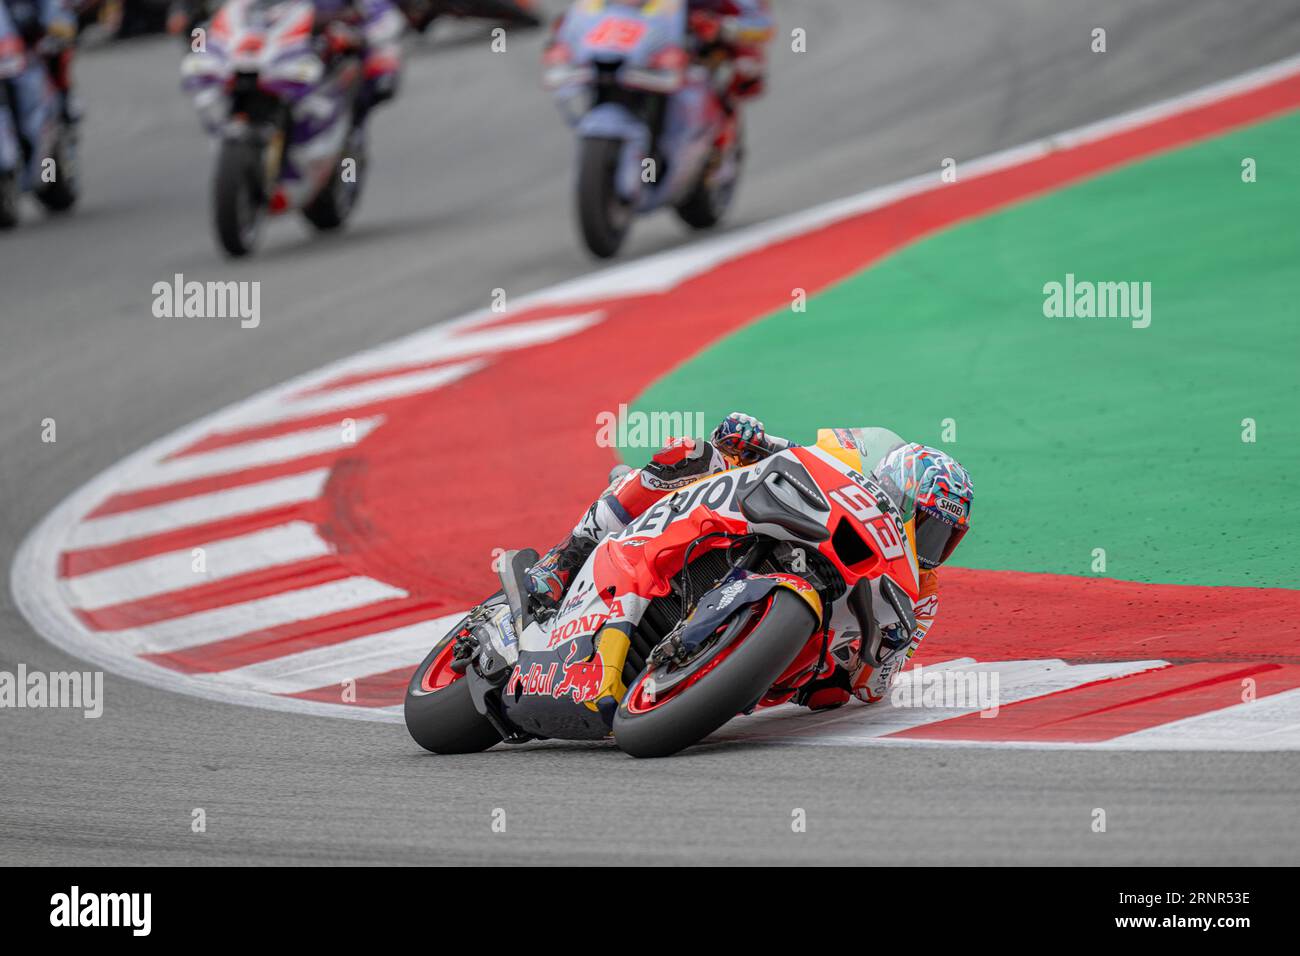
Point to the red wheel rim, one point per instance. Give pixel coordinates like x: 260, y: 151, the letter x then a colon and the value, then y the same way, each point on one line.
x: 638, y: 701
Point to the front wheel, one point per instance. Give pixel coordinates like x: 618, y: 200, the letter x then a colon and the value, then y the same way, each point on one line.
x: 237, y: 202
x: 604, y: 216
x: 730, y: 674
x: 440, y: 714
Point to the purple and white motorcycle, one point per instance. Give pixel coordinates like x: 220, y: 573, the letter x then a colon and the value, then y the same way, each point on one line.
x: 652, y: 128
x: 280, y: 91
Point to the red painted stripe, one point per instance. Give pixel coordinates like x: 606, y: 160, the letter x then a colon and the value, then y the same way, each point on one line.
x: 377, y: 690
x: 160, y: 494
x: 1107, y: 709
x: 224, y: 439
x: 268, y: 643
x: 1013, y: 615
x: 86, y: 560
x: 205, y: 597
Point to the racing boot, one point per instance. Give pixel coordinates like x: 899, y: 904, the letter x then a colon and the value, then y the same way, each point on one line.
x: 549, y: 578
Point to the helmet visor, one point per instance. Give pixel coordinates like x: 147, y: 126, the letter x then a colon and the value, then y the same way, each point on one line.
x: 936, y: 537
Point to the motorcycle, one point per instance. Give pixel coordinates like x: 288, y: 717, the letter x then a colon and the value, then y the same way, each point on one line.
x: 280, y: 91
x: 38, y: 128
x: 653, y: 131
x: 730, y: 594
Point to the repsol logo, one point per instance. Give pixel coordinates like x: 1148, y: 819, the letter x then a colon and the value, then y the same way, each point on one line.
x: 717, y: 494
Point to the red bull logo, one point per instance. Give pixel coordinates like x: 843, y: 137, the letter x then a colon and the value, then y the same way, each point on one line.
x: 581, y: 680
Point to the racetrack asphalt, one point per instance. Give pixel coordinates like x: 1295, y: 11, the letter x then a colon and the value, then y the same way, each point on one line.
x: 470, y: 191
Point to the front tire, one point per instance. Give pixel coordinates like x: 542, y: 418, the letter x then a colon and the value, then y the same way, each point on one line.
x: 237, y: 201
x: 729, y: 687
x: 443, y: 719
x: 604, y: 216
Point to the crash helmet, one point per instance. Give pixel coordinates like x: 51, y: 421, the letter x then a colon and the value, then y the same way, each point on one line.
x: 933, y: 487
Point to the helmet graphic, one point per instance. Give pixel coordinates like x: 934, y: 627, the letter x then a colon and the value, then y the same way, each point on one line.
x: 933, y: 486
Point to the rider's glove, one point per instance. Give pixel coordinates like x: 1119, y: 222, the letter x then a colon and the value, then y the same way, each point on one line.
x: 741, y: 438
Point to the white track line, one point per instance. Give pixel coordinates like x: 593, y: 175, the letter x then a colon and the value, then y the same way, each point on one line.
x: 175, y: 570
x: 34, y: 572
x: 454, y: 340
x: 1268, y: 723
x: 253, y: 454
x: 349, y: 660
x: 853, y: 724
x: 356, y: 396
x: 222, y: 623
x: 198, y: 509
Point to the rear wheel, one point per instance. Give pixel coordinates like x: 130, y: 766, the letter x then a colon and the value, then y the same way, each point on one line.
x: 61, y: 194
x: 237, y: 201
x: 440, y: 714
x: 603, y: 215
x: 338, y: 197
x: 670, y: 708
x: 8, y: 199
x: 712, y: 195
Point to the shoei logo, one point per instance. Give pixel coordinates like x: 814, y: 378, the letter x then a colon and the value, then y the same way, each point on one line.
x: 953, y: 508
x: 75, y: 908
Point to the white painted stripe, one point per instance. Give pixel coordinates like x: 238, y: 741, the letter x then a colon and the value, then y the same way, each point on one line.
x: 349, y: 660
x: 355, y: 396
x: 234, y: 458
x: 174, y: 571
x: 458, y: 340
x: 856, y: 723
x: 219, y: 624
x: 1267, y: 723
x: 198, y: 509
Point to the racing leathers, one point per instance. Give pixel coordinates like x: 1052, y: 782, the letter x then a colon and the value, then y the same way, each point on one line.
x: 36, y: 40
x: 742, y: 30
x: 739, y: 440
x: 381, y: 25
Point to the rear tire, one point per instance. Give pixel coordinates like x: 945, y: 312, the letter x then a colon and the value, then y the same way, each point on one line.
x: 707, y: 204
x: 604, y: 217
x: 237, y: 201
x: 734, y: 684
x: 336, y: 200
x: 61, y: 195
x: 445, y: 721
x: 8, y: 199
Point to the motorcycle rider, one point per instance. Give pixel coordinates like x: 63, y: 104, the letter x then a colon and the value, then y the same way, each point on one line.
x: 36, y: 39
x: 939, y: 485
x: 47, y: 28
x: 380, y: 25
x: 741, y: 30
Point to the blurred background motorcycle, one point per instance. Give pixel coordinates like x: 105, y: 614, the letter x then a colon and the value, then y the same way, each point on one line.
x: 281, y: 88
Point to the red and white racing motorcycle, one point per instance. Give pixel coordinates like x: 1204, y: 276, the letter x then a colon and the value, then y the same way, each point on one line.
x: 729, y: 594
